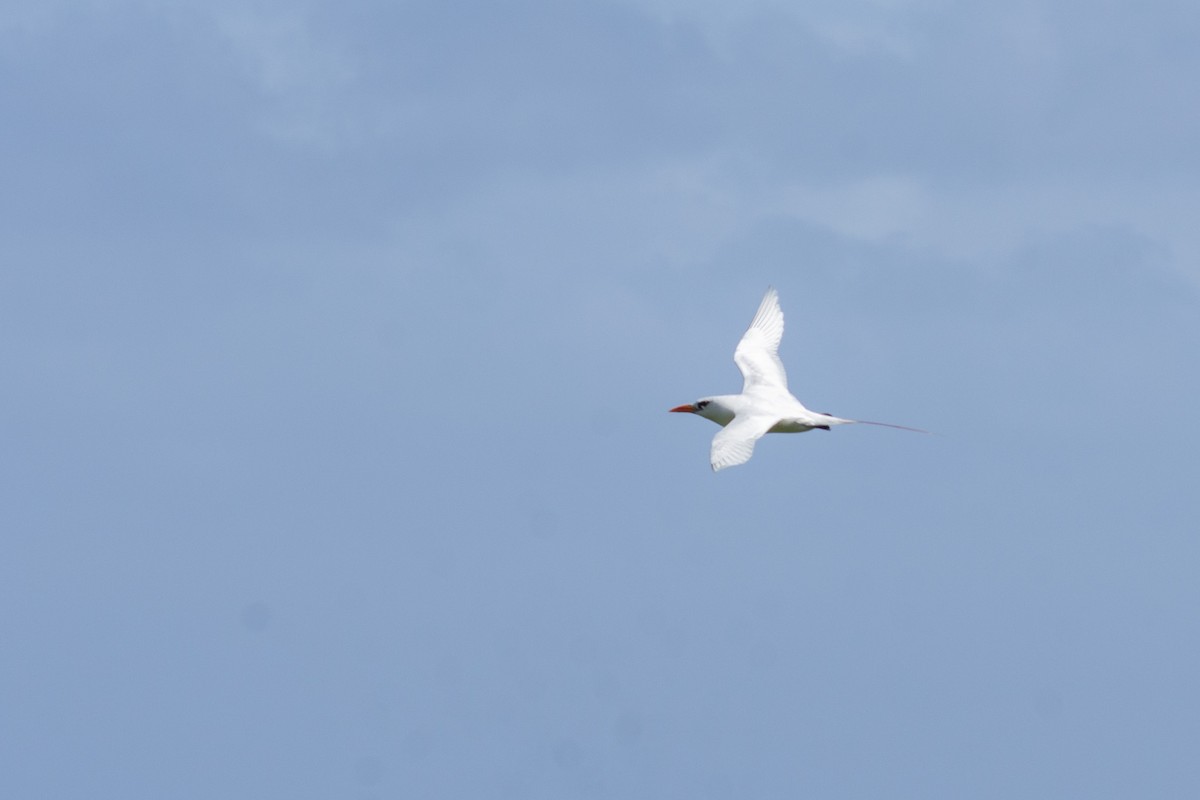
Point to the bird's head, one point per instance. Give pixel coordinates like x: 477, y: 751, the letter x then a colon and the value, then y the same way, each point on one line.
x: 709, y: 408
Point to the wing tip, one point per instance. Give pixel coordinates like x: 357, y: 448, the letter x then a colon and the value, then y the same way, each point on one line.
x: 769, y: 310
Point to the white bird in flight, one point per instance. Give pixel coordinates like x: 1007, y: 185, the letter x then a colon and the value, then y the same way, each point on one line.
x: 765, y: 404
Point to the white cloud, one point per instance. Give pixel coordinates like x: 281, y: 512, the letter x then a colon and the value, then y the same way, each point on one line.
x: 284, y: 53
x: 299, y: 72
x: 867, y: 208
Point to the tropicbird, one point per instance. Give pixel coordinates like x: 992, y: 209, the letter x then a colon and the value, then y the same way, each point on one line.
x: 765, y: 404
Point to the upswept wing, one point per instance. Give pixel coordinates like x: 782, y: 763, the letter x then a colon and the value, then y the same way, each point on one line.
x: 734, y: 444
x: 757, y: 354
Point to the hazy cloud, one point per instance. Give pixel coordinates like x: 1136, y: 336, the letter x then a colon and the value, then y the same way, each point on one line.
x: 339, y: 340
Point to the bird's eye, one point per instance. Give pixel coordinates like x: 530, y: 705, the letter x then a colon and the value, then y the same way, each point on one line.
x: 702, y: 404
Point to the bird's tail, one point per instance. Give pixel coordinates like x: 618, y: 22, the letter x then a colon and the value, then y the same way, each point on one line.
x: 830, y: 419
x: 888, y: 425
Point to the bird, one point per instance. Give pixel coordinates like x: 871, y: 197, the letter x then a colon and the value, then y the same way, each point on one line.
x: 765, y: 404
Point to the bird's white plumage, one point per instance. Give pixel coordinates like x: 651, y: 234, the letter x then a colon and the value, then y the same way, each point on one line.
x: 734, y: 444
x: 757, y: 354
x: 765, y: 404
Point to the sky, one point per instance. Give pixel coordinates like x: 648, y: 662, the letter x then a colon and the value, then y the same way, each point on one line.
x: 339, y: 340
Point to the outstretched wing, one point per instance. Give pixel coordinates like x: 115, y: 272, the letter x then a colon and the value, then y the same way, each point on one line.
x: 757, y: 354
x: 734, y: 444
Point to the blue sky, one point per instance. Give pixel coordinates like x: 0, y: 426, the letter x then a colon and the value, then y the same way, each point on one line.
x: 340, y: 338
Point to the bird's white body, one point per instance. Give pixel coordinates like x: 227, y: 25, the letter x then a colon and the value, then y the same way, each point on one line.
x: 765, y: 404
x: 793, y: 417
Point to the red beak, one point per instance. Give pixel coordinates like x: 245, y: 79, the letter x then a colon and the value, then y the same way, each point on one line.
x: 689, y: 408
